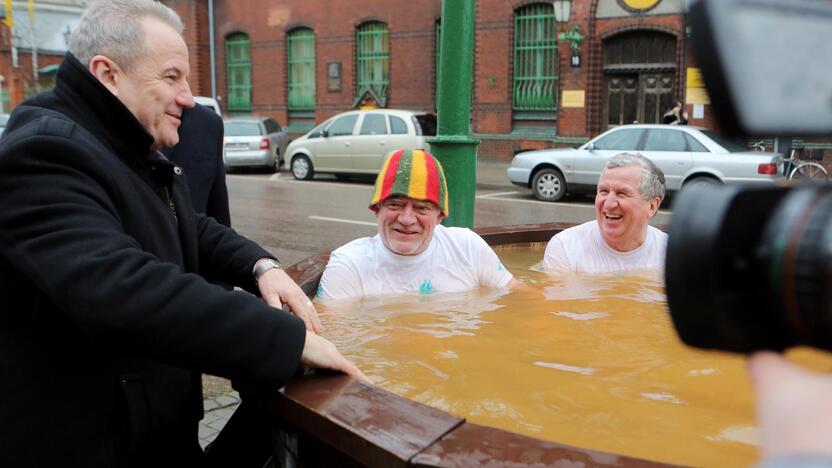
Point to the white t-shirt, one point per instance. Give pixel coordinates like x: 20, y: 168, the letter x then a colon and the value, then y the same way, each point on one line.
x: 457, y: 259
x: 581, y: 249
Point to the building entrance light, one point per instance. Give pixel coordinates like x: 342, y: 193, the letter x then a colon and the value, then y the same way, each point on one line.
x: 562, y: 8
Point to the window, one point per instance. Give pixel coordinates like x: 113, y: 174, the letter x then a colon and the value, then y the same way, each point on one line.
x: 535, y: 59
x: 300, y: 53
x: 342, y: 125
x: 665, y: 140
x: 694, y: 145
x: 425, y: 124
x: 271, y: 126
x: 242, y: 128
x: 374, y: 124
x: 397, y: 126
x: 622, y: 140
x: 238, y: 60
x: 731, y: 146
x: 372, y: 52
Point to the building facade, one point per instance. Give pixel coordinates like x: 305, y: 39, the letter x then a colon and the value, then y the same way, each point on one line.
x: 32, y: 46
x: 541, y: 78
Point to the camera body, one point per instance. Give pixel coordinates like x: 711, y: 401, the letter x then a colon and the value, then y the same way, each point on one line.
x: 749, y: 268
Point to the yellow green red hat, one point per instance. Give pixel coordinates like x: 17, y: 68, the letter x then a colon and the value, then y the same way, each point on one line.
x: 414, y: 174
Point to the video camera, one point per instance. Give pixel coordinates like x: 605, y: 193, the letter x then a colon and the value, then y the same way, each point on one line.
x: 749, y: 268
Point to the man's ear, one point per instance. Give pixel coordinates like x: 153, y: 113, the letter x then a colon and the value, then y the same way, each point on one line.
x: 654, y: 205
x: 107, y: 72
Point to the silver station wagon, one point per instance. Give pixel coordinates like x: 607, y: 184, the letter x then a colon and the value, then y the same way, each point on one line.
x: 254, y: 141
x: 686, y: 155
x: 356, y: 142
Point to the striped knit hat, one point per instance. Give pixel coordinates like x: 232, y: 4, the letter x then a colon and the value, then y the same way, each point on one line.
x: 414, y: 174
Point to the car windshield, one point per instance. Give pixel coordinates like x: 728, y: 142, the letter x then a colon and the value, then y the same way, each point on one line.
x: 242, y: 128
x: 730, y: 145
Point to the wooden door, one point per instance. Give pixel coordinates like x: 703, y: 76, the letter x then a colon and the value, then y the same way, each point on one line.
x: 622, y: 103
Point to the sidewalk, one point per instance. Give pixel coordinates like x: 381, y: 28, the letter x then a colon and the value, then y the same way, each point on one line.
x: 217, y: 413
x: 491, y: 175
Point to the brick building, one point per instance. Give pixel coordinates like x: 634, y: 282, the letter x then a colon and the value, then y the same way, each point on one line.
x: 32, y: 47
x: 539, y: 81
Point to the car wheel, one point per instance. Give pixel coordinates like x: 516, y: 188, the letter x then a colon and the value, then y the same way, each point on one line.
x: 302, y: 168
x: 278, y: 162
x: 702, y: 181
x: 548, y: 185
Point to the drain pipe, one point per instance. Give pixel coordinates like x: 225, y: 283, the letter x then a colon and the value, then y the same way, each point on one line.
x: 212, y: 49
x: 453, y: 146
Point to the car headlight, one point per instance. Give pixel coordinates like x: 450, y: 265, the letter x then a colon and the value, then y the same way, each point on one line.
x: 515, y: 161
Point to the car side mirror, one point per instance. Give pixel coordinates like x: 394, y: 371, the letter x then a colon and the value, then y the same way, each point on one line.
x: 590, y: 147
x: 324, y: 133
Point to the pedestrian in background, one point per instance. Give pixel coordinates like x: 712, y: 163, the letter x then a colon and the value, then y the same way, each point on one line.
x: 677, y: 115
x: 108, y: 319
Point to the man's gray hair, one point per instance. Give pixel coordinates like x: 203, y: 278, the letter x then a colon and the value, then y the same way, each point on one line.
x: 652, y: 182
x: 113, y: 28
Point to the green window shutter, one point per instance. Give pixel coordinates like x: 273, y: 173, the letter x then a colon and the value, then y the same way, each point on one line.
x: 535, y: 59
x: 238, y: 59
x: 372, y: 52
x: 300, y: 51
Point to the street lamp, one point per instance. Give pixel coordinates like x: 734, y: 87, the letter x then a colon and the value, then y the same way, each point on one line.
x: 562, y: 10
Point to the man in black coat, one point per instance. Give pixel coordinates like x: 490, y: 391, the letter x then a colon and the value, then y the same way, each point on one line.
x: 107, y: 316
x: 199, y: 152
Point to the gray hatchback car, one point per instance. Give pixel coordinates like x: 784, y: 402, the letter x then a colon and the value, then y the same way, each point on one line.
x: 254, y: 141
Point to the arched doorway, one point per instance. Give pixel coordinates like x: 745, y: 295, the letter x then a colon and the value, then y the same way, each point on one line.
x: 639, y: 77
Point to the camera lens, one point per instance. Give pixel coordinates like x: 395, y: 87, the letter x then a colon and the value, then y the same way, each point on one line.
x: 746, y: 268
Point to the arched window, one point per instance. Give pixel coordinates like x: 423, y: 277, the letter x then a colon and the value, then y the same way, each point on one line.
x: 300, y: 55
x: 535, y: 59
x: 372, y: 55
x: 238, y: 60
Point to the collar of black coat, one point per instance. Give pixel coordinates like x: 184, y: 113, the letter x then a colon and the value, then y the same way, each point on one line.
x: 91, y: 105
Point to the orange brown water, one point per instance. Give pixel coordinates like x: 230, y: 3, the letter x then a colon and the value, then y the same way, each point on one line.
x: 591, y: 362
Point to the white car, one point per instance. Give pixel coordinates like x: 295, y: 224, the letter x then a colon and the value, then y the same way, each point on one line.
x: 210, y: 103
x: 356, y: 142
x: 685, y: 154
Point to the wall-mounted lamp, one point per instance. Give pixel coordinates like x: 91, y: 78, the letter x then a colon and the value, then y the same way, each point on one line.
x: 562, y: 8
x: 574, y: 37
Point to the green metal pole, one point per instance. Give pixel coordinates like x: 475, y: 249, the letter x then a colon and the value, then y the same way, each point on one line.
x: 453, y: 147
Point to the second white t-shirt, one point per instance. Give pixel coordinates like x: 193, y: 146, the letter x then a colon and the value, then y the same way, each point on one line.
x: 581, y: 249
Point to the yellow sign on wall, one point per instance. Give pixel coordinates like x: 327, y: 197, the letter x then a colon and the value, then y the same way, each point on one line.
x: 697, y: 96
x: 641, y: 4
x: 573, y: 98
x: 694, y: 78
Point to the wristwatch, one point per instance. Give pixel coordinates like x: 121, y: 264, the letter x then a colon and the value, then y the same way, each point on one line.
x: 262, y: 266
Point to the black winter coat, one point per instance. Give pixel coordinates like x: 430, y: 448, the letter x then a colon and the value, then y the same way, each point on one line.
x: 107, y: 317
x: 199, y: 152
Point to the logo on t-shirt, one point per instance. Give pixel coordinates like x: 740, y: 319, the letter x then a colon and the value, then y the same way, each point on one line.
x: 425, y: 288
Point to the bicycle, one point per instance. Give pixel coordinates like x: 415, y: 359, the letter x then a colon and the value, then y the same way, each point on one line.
x: 804, y: 171
x: 759, y: 146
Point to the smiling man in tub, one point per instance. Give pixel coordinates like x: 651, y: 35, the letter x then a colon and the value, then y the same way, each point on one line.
x: 412, y: 252
x: 630, y: 190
